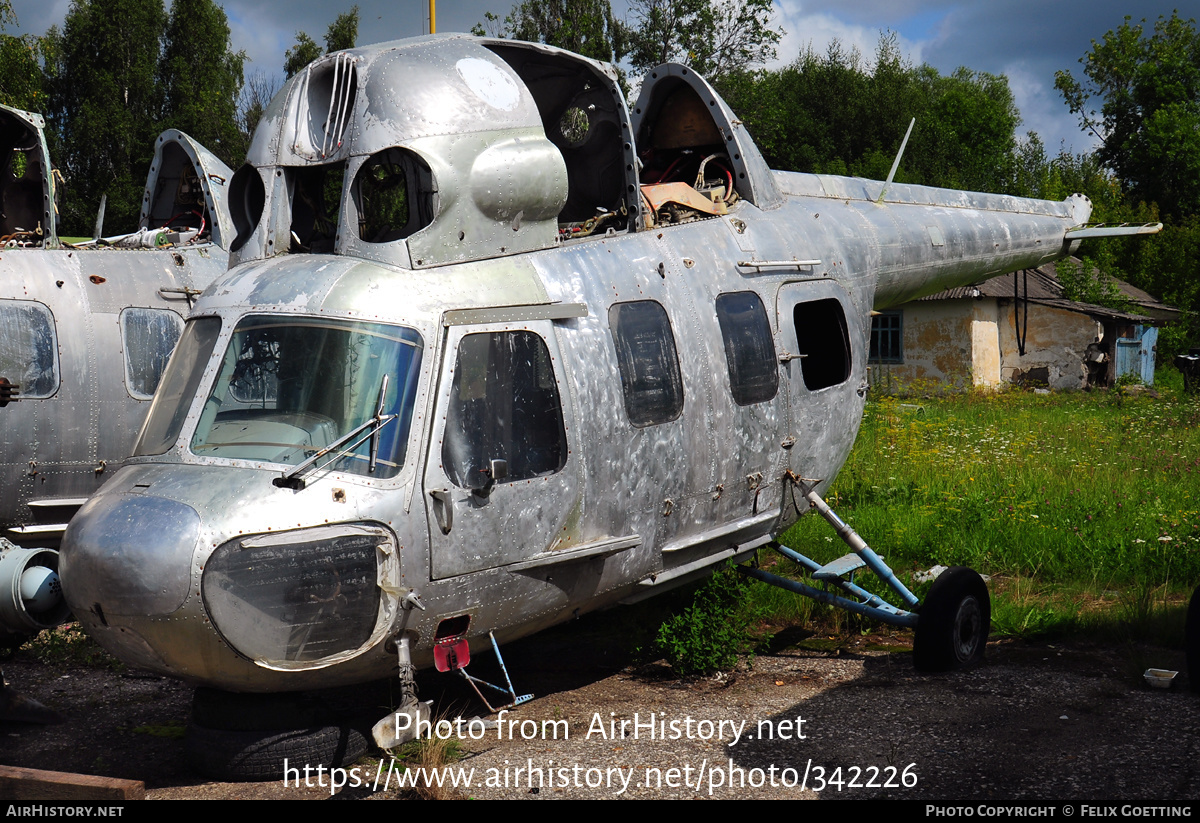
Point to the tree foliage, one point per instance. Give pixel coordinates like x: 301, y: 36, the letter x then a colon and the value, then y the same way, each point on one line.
x: 21, y: 78
x: 300, y: 55
x: 342, y: 32
x: 586, y: 27
x: 256, y: 95
x: 201, y: 78
x: 105, y: 102
x: 715, y: 37
x: 834, y: 113
x: 1148, y: 86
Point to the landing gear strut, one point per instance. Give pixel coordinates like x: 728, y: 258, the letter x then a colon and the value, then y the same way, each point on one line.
x: 951, y: 625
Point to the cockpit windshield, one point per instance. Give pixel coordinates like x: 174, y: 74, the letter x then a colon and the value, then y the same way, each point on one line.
x: 289, y: 387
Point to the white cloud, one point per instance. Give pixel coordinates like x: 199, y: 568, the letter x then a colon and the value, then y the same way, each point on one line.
x: 819, y: 28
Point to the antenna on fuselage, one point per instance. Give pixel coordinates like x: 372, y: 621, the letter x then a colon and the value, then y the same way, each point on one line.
x: 99, y: 230
x: 896, y: 162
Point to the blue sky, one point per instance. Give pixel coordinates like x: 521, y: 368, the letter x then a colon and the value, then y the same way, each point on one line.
x: 1026, y: 40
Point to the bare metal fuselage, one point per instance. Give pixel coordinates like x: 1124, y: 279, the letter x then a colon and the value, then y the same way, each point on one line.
x: 200, y: 561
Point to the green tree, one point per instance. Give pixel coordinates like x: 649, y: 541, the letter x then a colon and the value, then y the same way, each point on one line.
x: 202, y: 78
x: 1149, y: 118
x: 343, y: 32
x: 22, y: 82
x: 586, y: 27
x: 715, y: 37
x: 104, y: 103
x: 833, y: 113
x: 256, y: 95
x: 1146, y: 86
x: 300, y: 55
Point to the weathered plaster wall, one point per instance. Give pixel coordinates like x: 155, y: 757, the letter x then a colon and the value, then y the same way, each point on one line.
x: 1056, y: 341
x: 985, y: 343
x: 937, y: 347
x: 972, y: 342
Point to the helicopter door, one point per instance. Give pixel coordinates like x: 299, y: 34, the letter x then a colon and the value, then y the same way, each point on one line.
x: 824, y: 363
x: 499, y: 482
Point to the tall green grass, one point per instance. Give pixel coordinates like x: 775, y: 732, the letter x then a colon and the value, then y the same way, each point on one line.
x: 1073, y: 502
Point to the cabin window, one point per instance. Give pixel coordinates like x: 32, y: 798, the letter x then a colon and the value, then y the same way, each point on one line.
x: 316, y: 204
x: 749, y: 348
x: 393, y: 196
x: 178, y: 386
x: 504, y: 405
x: 648, y: 362
x: 148, y: 337
x: 28, y: 348
x: 887, y: 338
x: 247, y: 198
x: 289, y: 387
x: 823, y: 342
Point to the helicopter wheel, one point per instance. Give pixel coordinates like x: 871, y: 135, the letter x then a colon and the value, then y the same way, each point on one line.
x: 953, y: 622
x: 1192, y: 641
x: 250, y: 737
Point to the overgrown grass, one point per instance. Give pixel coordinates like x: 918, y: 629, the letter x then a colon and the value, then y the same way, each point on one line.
x: 1082, y: 506
x: 67, y: 645
x: 428, y: 755
x: 1060, y: 487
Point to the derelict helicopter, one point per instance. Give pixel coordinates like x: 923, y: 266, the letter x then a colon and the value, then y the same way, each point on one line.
x: 494, y: 351
x: 85, y: 332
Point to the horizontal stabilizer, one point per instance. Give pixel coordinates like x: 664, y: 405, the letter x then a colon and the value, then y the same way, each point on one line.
x: 1112, y: 230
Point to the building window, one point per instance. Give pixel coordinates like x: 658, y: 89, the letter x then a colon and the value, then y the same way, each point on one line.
x: 887, y: 337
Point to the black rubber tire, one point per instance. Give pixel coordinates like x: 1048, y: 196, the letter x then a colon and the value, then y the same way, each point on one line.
x: 241, y: 756
x: 953, y: 622
x: 230, y: 711
x: 1191, y: 639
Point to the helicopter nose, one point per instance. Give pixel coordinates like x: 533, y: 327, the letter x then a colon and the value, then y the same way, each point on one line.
x: 128, y: 555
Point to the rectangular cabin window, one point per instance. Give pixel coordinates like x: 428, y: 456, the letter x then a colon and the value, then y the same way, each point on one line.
x: 824, y: 343
x: 648, y: 362
x: 504, y: 405
x: 749, y: 347
x: 28, y: 348
x: 148, y: 337
x: 887, y: 338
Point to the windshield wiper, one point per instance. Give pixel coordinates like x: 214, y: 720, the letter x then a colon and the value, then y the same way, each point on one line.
x: 293, y: 480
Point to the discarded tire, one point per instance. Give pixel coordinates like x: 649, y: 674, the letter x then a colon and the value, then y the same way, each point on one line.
x: 232, y: 711
x: 240, y: 756
x: 953, y: 622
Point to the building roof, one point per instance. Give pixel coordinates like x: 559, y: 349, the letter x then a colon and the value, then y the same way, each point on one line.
x: 1041, y: 285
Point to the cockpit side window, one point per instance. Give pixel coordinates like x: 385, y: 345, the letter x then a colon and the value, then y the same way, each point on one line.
x: 393, y: 196
x: 584, y: 116
x: 680, y: 143
x: 316, y: 203
x: 178, y: 197
x: 23, y: 176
